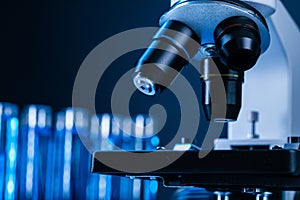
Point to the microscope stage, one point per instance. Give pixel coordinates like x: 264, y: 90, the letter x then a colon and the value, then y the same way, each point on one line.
x: 230, y: 169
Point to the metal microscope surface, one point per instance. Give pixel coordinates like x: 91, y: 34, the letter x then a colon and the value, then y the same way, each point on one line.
x: 203, y: 16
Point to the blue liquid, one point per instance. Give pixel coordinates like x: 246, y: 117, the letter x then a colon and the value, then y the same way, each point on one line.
x: 9, y: 131
x: 34, y: 142
x: 11, y: 158
x: 70, y: 161
x: 71, y: 167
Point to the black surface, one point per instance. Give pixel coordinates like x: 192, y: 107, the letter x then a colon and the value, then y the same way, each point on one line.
x: 270, y: 169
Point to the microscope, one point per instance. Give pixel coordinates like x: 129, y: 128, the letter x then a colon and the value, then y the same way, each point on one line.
x: 231, y: 41
x: 227, y: 38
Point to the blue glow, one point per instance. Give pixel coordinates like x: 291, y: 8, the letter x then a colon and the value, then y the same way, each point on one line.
x: 2, y: 172
x: 14, y: 124
x: 11, y: 159
x: 153, y: 186
x: 10, y: 186
x: 67, y: 163
x: 12, y: 156
x: 155, y: 141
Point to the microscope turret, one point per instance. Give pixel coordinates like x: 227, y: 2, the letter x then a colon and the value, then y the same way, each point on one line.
x: 229, y: 37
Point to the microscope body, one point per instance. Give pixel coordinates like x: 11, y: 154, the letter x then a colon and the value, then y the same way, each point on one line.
x: 252, y: 41
x: 271, y: 86
x: 216, y: 32
x: 226, y: 43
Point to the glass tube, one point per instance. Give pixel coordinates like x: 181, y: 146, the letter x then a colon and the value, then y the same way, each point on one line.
x: 70, y: 157
x: 35, y: 139
x: 105, y: 130
x: 9, y: 131
x: 151, y: 141
x: 127, y: 143
x: 92, y: 189
x: 139, y: 136
x: 115, y: 133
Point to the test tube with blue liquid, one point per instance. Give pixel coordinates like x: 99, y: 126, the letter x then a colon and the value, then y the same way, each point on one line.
x: 9, y: 132
x: 138, y: 135
x: 35, y: 139
x: 70, y: 157
x: 127, y: 143
x: 151, y: 142
x: 114, y: 133
x: 138, y: 146
x: 93, y: 186
x: 144, y: 129
x: 101, y: 186
x: 151, y: 139
x: 115, y: 139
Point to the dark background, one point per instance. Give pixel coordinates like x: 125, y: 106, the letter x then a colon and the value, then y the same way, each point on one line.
x: 43, y: 44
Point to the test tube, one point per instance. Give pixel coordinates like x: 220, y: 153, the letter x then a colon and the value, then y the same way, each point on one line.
x: 70, y: 157
x: 114, y: 133
x: 2, y: 173
x: 103, y: 134
x: 138, y: 146
x: 92, y: 189
x: 35, y: 137
x: 116, y: 139
x: 127, y: 143
x: 139, y: 136
x: 151, y: 141
x: 9, y: 131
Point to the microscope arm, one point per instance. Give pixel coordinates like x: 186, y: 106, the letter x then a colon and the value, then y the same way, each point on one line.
x: 289, y: 35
